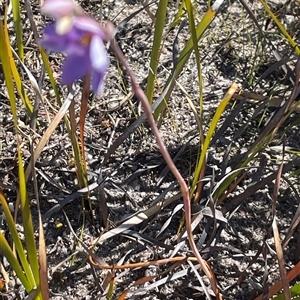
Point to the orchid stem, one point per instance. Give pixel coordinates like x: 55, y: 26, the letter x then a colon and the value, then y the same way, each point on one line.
x: 139, y: 93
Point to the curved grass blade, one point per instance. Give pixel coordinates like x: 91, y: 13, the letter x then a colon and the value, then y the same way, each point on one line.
x: 7, y: 53
x: 210, y: 133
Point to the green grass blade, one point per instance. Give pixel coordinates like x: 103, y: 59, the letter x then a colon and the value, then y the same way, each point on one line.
x: 179, y: 15
x: 281, y: 27
x: 27, y: 222
x: 8, y: 59
x: 50, y: 74
x: 189, y: 7
x: 7, y: 72
x: 210, y: 133
x: 18, y: 27
x: 186, y: 52
x: 156, y: 47
x: 18, y: 244
x: 19, y: 84
x: 8, y: 253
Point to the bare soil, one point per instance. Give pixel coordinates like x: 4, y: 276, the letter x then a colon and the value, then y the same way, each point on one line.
x: 240, y: 249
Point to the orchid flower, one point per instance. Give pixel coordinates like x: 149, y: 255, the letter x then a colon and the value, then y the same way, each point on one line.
x: 81, y: 38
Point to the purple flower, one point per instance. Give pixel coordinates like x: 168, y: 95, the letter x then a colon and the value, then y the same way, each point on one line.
x: 81, y: 38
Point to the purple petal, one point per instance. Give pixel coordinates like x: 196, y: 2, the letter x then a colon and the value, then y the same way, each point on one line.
x: 90, y: 25
x: 97, y: 82
x: 53, y: 41
x: 71, y: 42
x: 75, y: 67
x: 99, y: 63
x: 59, y: 8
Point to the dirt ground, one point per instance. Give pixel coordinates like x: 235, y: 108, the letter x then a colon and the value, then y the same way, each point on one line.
x: 134, y: 178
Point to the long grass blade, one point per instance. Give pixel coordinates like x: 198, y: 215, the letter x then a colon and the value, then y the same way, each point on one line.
x: 210, y: 133
x: 18, y: 27
x: 186, y: 52
x: 8, y: 253
x: 7, y: 53
x: 281, y: 27
x: 17, y: 241
x: 156, y: 48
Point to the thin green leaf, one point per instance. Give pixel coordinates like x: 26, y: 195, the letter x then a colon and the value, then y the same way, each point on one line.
x: 7, y: 71
x: 186, y: 52
x: 179, y: 15
x: 189, y: 7
x: 8, y: 253
x: 156, y: 48
x: 27, y: 222
x: 8, y: 59
x: 18, y: 244
x: 18, y: 27
x: 281, y: 27
x: 50, y: 74
x: 210, y: 133
x: 196, y: 50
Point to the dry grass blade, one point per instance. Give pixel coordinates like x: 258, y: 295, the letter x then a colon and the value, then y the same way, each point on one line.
x: 136, y: 283
x: 88, y: 253
x: 142, y: 264
x: 276, y: 54
x: 69, y: 199
x: 167, y: 223
x: 46, y: 138
x: 101, y: 198
x: 133, y: 127
x: 61, y: 113
x: 206, y: 292
x: 279, y: 251
x: 294, y: 224
x: 138, y: 218
x: 238, y: 200
x: 165, y: 280
x: 291, y: 275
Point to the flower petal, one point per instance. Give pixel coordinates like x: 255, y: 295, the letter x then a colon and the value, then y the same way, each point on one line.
x: 52, y: 41
x: 59, y: 8
x: 99, y: 63
x: 90, y: 25
x: 97, y: 82
x: 75, y: 67
x: 71, y: 42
